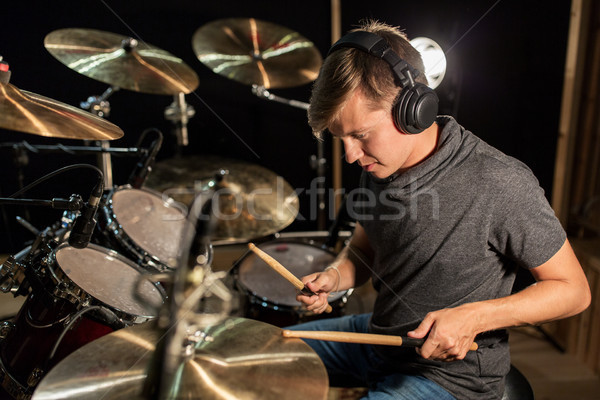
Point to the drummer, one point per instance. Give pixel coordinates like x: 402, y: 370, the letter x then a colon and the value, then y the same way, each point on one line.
x: 448, y: 222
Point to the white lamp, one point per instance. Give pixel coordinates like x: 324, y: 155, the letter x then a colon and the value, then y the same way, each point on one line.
x: 433, y: 59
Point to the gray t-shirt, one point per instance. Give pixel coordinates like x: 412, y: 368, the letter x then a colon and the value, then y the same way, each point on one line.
x: 452, y: 230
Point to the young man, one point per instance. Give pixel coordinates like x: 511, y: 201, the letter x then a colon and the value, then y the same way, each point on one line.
x: 444, y: 222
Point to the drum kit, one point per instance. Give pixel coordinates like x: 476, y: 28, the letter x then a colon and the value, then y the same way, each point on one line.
x: 121, y: 301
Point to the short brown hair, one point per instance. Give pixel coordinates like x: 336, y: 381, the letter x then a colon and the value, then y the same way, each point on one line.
x: 349, y: 69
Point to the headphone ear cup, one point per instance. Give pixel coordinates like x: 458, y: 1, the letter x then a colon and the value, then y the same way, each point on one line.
x: 415, y: 109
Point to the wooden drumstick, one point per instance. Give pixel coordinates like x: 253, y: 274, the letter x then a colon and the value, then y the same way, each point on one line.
x: 364, y: 338
x: 281, y: 270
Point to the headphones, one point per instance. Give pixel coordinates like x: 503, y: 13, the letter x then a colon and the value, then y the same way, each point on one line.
x: 416, y: 107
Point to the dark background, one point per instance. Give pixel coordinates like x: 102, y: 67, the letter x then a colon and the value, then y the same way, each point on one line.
x: 504, y: 82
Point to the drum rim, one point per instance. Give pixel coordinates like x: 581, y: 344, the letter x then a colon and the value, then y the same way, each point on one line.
x: 145, y: 255
x: 341, y: 296
x: 119, y: 257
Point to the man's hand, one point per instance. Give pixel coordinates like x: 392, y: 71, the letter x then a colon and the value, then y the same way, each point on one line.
x: 450, y: 333
x: 321, y: 283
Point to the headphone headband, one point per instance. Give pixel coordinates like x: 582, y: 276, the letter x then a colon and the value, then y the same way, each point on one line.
x: 377, y: 46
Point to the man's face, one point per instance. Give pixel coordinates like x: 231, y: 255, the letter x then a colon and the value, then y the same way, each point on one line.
x: 371, y: 139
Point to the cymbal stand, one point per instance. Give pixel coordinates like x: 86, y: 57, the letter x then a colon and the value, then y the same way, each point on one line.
x: 193, y: 282
x: 179, y: 112
x: 100, y: 106
x: 317, y: 162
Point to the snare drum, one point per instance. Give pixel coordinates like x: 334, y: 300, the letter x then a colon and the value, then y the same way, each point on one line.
x: 271, y: 298
x: 142, y: 225
x: 107, y: 290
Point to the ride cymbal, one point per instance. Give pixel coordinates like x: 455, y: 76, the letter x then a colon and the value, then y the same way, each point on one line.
x: 252, y: 51
x: 121, y: 61
x: 252, y: 200
x: 31, y: 113
x: 237, y: 359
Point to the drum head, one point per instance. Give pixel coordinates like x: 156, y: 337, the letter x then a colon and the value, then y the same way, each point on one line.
x: 155, y: 225
x: 299, y: 258
x: 110, y: 279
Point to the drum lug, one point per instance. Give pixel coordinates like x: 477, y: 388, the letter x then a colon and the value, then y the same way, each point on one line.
x: 34, y: 378
x: 73, y: 295
x: 5, y: 328
x: 12, y: 275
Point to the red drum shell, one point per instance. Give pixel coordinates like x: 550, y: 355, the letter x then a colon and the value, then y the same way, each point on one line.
x: 73, y: 280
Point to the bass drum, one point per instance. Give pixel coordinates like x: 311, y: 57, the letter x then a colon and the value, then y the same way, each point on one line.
x: 143, y: 226
x: 268, y: 297
x: 78, y: 295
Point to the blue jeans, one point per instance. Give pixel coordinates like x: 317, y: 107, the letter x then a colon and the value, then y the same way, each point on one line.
x: 354, y: 365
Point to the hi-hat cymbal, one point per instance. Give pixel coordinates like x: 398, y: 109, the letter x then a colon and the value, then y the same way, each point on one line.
x: 238, y: 359
x: 121, y: 61
x: 252, y: 200
x: 252, y: 51
x: 31, y: 113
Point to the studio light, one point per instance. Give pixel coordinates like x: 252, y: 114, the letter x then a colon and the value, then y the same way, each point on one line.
x: 433, y: 59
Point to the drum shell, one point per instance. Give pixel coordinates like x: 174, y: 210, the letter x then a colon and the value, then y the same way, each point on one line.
x: 268, y: 297
x: 26, y: 347
x: 29, y: 340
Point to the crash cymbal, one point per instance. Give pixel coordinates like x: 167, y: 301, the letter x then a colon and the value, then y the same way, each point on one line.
x: 31, y: 113
x: 252, y: 202
x: 121, y: 61
x: 252, y: 51
x: 237, y: 359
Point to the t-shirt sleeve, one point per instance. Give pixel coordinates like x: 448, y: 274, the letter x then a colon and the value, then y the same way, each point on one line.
x: 524, y: 227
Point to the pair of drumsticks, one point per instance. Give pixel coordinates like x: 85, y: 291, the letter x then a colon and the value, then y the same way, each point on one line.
x: 334, y: 336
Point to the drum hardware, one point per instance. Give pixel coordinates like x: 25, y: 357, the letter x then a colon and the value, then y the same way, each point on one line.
x: 12, y: 274
x: 14, y: 277
x: 179, y: 112
x: 144, y: 165
x: 180, y: 322
x: 61, y: 148
x: 317, y: 162
x: 66, y: 284
x: 27, y: 225
x: 184, y: 352
x: 262, y: 92
x: 100, y: 106
x: 123, y: 63
x: 5, y: 328
x: 266, y: 56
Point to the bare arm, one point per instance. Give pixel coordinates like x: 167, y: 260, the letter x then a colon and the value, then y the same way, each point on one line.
x: 353, y: 264
x: 561, y: 290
